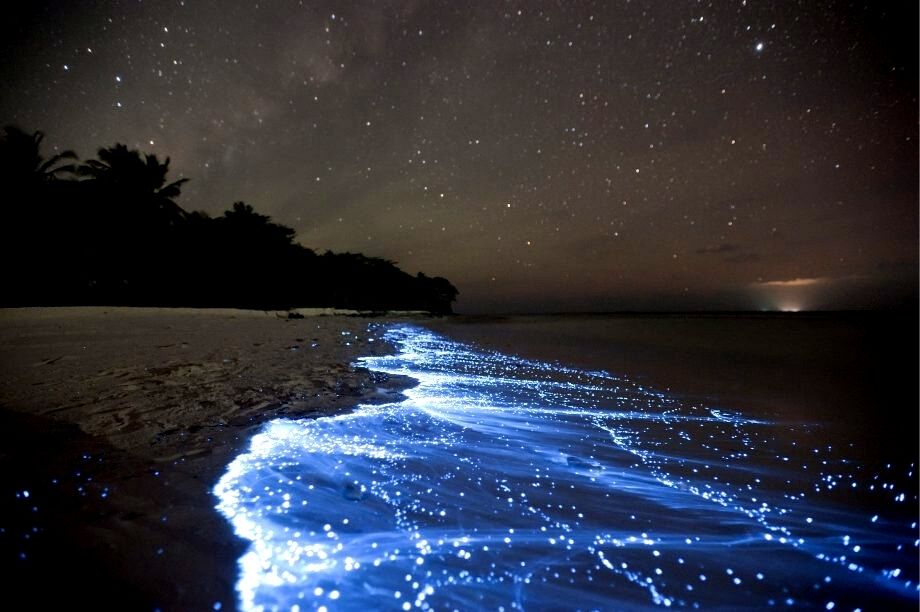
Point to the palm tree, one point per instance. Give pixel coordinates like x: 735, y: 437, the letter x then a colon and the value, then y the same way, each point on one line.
x: 259, y: 230
x: 21, y: 162
x: 141, y: 180
x: 29, y: 231
x: 30, y: 184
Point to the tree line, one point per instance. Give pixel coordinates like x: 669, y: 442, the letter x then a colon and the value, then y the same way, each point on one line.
x: 108, y: 231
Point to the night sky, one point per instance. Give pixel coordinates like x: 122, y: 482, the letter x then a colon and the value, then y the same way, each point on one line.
x: 541, y: 156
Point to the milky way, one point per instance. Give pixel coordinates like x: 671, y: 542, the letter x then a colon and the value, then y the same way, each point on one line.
x: 540, y: 155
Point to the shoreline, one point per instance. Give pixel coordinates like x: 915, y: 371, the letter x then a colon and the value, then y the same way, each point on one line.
x: 120, y: 421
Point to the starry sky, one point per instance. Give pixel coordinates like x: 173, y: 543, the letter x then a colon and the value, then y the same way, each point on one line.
x: 543, y: 156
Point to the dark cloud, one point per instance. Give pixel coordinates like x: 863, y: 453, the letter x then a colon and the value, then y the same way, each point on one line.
x: 743, y: 258
x: 722, y: 248
x: 732, y: 253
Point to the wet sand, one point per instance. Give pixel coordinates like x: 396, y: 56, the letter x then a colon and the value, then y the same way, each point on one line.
x: 117, y: 423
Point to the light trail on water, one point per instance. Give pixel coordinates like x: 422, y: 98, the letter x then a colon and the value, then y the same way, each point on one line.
x: 504, y: 483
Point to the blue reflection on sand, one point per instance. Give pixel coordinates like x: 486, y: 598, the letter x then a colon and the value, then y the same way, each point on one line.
x: 509, y: 484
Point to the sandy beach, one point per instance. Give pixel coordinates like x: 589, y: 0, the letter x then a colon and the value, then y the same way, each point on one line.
x: 117, y: 422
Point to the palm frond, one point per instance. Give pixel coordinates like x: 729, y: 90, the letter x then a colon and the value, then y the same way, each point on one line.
x: 173, y: 189
x: 71, y: 168
x: 45, y: 167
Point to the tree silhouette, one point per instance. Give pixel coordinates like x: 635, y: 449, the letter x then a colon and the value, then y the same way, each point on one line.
x: 244, y: 222
x: 137, y: 181
x: 118, y: 237
x: 436, y: 294
x: 21, y: 161
x: 28, y: 207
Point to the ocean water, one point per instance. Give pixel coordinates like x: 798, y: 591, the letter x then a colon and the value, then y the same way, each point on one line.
x: 508, y: 483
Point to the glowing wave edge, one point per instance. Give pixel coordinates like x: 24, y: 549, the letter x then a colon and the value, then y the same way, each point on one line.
x: 508, y: 484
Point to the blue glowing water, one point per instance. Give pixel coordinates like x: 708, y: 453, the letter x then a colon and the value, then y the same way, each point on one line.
x: 501, y: 483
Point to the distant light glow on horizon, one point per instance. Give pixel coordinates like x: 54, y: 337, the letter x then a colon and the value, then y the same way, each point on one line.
x: 797, y: 294
x: 796, y: 282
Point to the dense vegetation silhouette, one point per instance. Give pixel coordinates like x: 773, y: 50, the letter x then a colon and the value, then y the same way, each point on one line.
x: 109, y: 231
